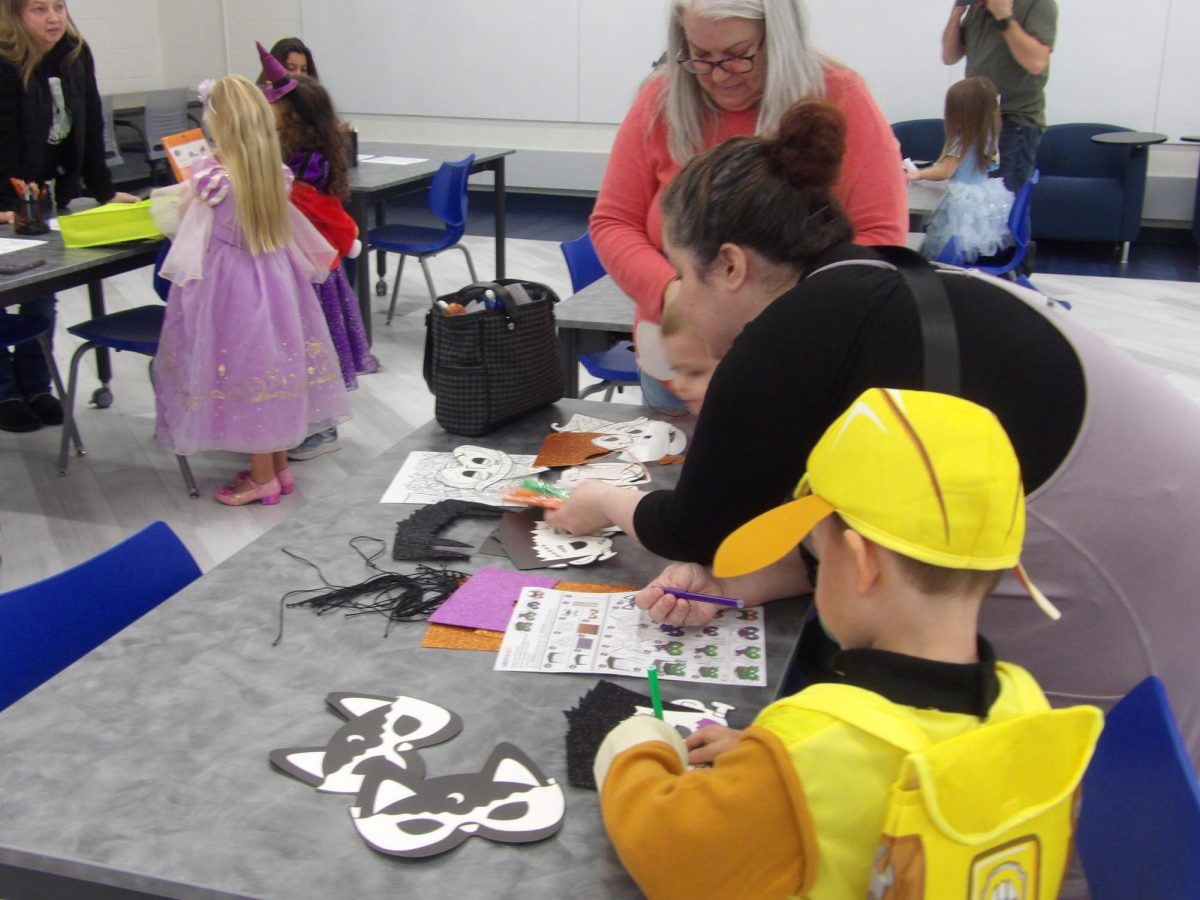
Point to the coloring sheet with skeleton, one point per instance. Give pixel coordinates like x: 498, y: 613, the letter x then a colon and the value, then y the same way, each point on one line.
x: 641, y: 439
x: 566, y: 631
x: 471, y: 473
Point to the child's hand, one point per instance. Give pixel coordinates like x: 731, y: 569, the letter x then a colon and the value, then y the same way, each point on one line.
x: 914, y: 175
x: 656, y: 598
x: 6, y: 218
x: 710, y: 742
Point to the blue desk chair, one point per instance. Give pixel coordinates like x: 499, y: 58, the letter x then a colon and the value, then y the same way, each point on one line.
x: 1009, y: 263
x: 448, y: 201
x: 18, y: 328
x: 617, y: 366
x: 920, y: 139
x: 136, y: 330
x: 46, y: 626
x: 1139, y: 823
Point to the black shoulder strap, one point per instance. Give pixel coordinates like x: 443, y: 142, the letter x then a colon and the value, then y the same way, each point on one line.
x: 939, y: 334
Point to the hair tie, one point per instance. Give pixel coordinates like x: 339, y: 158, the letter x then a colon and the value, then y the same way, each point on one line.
x: 204, y: 89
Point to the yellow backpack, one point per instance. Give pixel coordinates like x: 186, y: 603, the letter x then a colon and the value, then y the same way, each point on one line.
x: 986, y: 815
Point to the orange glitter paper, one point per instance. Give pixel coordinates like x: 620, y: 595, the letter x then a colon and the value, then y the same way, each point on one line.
x: 569, y: 448
x: 452, y: 637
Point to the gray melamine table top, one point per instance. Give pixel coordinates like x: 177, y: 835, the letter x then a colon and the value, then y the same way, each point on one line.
x: 66, y: 268
x: 144, y: 765
x: 601, y: 306
x: 368, y: 177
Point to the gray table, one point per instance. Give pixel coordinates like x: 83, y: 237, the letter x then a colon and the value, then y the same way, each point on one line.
x: 585, y: 322
x: 372, y: 184
x: 144, y: 766
x: 65, y: 268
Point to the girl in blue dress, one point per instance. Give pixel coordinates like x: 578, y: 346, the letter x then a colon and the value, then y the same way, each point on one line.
x: 975, y: 208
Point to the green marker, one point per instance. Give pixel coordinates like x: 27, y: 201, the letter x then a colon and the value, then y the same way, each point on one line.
x: 655, y: 696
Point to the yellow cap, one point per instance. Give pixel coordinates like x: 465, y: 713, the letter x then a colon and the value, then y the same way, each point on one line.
x: 929, y: 476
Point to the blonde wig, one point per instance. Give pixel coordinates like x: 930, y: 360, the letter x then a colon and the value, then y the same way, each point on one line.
x: 243, y: 126
x: 794, y: 69
x: 19, y: 48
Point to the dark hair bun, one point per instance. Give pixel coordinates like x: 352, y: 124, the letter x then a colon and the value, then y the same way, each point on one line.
x: 811, y: 142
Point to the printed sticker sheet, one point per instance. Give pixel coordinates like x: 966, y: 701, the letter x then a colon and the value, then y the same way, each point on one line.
x: 567, y: 631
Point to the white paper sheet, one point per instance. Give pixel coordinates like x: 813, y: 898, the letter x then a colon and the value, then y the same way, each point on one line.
x: 468, y: 473
x: 395, y: 160
x: 555, y: 631
x: 11, y: 245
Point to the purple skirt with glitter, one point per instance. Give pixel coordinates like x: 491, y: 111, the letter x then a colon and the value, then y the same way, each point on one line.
x: 340, y: 305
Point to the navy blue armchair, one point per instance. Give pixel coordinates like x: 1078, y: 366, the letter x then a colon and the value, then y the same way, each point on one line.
x: 1088, y: 191
x: 920, y: 139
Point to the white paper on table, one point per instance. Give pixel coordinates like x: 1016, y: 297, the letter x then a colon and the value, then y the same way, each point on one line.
x: 363, y: 157
x: 11, y: 245
x: 555, y: 631
x: 478, y: 474
x: 396, y: 160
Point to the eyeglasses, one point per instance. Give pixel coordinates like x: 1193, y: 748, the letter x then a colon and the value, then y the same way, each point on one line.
x: 734, y: 65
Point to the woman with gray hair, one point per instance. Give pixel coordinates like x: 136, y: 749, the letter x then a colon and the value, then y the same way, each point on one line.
x: 733, y: 68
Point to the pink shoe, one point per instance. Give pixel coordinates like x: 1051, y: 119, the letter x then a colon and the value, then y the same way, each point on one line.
x: 287, y: 481
x: 267, y: 494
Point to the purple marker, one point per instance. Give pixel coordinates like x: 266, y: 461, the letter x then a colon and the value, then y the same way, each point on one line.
x: 703, y: 598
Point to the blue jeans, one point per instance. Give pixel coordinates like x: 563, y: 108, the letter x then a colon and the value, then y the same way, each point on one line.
x: 656, y: 395
x: 23, y: 370
x: 1018, y: 152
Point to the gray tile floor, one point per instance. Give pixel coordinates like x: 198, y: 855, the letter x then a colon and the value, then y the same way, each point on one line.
x: 48, y: 523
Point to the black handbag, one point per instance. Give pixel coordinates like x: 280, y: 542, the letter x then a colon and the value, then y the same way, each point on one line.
x: 489, y: 367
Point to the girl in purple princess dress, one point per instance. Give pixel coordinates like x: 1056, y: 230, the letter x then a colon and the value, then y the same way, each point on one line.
x: 245, y: 362
x: 316, y: 150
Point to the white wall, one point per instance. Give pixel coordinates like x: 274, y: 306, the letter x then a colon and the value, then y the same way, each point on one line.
x: 1143, y: 74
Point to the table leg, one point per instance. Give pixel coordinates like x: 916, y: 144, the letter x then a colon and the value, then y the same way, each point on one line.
x: 95, y: 291
x: 380, y: 255
x: 568, y: 344
x: 499, y: 190
x: 362, y: 266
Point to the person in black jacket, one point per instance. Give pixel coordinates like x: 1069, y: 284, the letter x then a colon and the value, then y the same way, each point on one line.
x: 51, y: 129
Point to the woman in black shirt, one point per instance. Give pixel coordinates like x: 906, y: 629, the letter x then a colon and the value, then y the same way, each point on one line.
x: 51, y: 129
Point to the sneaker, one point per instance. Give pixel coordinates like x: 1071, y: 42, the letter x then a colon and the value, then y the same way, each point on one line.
x: 316, y: 445
x: 47, y: 408
x: 16, y: 415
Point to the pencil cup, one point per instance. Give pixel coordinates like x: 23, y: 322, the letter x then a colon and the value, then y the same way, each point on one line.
x: 33, y: 214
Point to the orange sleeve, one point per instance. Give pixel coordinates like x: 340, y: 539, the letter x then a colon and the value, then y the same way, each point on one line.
x: 620, y: 222
x: 691, y: 835
x: 871, y: 187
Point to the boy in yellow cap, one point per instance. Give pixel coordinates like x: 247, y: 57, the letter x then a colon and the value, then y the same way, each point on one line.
x: 915, y: 507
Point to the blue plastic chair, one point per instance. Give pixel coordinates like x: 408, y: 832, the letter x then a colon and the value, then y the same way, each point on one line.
x: 583, y: 264
x: 1139, y: 823
x: 617, y: 366
x: 19, y: 328
x: 136, y: 330
x: 448, y: 201
x: 46, y: 626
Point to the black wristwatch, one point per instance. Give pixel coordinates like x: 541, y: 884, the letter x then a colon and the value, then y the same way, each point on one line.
x: 1003, y: 23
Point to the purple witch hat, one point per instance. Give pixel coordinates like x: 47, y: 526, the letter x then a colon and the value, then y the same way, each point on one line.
x: 277, y: 80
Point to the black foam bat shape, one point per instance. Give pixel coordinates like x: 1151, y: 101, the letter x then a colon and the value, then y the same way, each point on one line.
x: 417, y: 536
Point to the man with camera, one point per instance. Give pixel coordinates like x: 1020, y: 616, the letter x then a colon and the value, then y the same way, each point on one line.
x: 1010, y: 42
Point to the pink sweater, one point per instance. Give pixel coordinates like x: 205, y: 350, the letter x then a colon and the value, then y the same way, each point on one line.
x: 627, y: 222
